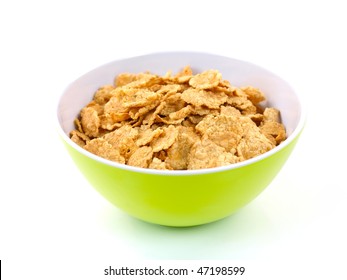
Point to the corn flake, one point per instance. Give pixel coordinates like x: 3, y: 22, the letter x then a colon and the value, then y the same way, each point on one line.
x: 205, y: 154
x: 200, y: 97
x: 141, y: 157
x: 166, y: 139
x: 103, y: 94
x: 90, y: 121
x: 223, y: 130
x: 252, y: 145
x: 157, y: 164
x: 146, y: 135
x: 100, y: 147
x: 178, y: 153
x: 206, y: 80
x: 253, y: 94
x: 79, y: 138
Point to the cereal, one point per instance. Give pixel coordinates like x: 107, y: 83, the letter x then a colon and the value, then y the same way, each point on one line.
x: 253, y: 144
x: 274, y: 131
x: 225, y: 131
x: 90, y: 121
x: 103, y: 94
x: 178, y: 153
x: 157, y: 164
x: 181, y: 114
x: 206, y: 80
x: 78, y: 125
x: 173, y: 103
x: 79, y: 138
x: 111, y: 120
x: 147, y: 135
x: 125, y: 78
x: 166, y: 139
x: 253, y: 94
x: 243, y: 104
x: 100, y: 147
x: 115, y: 104
x: 185, y: 75
x: 207, y: 154
x: 271, y: 114
x: 140, y: 98
x: 200, y: 97
x: 141, y: 157
x: 177, y: 122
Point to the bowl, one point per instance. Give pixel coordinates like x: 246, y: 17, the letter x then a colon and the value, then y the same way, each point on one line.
x: 187, y: 197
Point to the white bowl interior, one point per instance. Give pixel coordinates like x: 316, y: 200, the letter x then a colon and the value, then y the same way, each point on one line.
x: 279, y: 93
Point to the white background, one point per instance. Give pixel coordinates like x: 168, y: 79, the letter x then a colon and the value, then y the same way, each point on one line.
x: 53, y: 225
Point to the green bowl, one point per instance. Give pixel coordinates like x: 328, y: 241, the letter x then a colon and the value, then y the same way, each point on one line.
x: 187, y: 197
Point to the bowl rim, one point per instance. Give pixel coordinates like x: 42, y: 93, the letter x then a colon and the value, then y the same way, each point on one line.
x: 296, y: 132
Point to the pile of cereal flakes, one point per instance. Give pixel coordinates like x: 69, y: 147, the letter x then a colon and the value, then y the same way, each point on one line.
x: 177, y: 122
